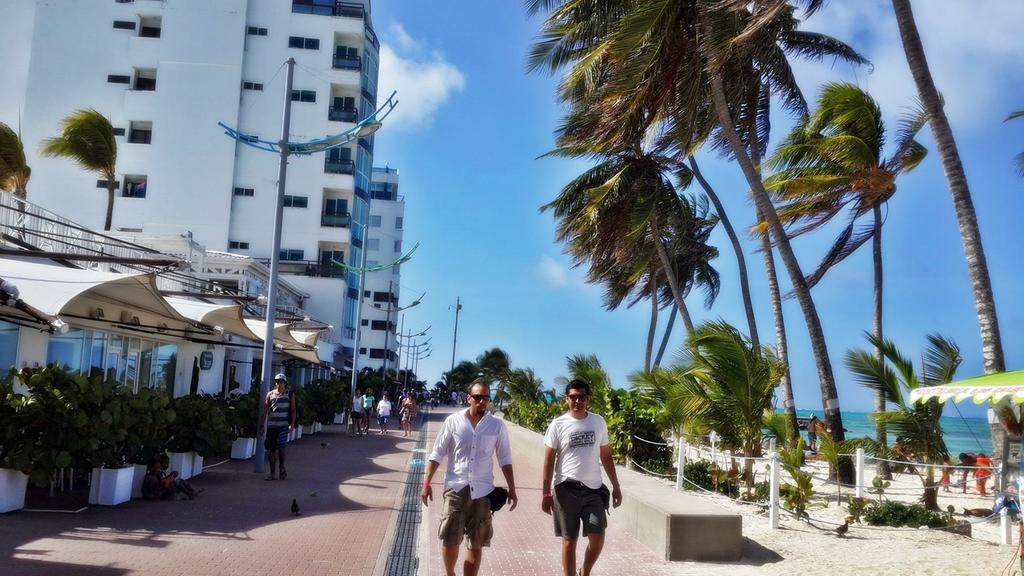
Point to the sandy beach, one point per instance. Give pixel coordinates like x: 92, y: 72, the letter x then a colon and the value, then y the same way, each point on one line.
x: 813, y: 547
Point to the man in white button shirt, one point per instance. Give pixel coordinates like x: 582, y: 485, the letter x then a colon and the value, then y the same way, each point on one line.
x: 470, y: 440
x: 575, y: 450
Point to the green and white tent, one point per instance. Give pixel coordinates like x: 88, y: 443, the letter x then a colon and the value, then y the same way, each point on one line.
x: 981, y: 389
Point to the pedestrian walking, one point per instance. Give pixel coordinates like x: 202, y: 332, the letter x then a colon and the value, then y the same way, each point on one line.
x: 408, y: 412
x: 383, y: 413
x: 357, y: 413
x: 575, y: 450
x: 278, y: 421
x: 369, y: 405
x: 469, y: 440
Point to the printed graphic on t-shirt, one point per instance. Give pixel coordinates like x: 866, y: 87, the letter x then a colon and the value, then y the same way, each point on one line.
x: 585, y: 438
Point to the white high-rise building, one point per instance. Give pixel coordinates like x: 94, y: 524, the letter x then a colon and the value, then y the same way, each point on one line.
x: 378, y: 344
x: 165, y: 73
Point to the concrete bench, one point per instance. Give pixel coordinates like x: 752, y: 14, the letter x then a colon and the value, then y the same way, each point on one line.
x: 675, y: 525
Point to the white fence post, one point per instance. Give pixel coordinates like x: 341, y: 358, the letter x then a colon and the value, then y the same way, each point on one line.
x: 859, y: 490
x: 773, y: 494
x: 680, y: 463
x: 714, y: 449
x: 1005, y: 534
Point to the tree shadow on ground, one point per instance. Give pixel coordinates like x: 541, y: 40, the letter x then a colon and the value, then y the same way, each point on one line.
x: 235, y: 502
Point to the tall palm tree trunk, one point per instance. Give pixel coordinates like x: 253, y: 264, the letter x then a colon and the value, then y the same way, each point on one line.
x: 781, y: 341
x: 876, y: 329
x: 111, y: 187
x: 664, y: 339
x: 829, y: 394
x: 670, y: 274
x: 741, y: 261
x: 970, y: 236
x: 653, y: 329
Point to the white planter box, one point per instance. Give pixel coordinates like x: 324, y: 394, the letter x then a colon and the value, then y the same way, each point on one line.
x: 12, y: 490
x: 182, y: 463
x: 298, y: 432
x: 197, y: 464
x: 339, y: 418
x: 308, y: 430
x: 318, y: 427
x: 243, y: 448
x: 111, y: 486
x: 140, y: 475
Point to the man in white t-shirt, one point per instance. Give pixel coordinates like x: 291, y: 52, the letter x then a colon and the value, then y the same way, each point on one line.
x: 358, y: 413
x: 383, y: 413
x: 575, y: 450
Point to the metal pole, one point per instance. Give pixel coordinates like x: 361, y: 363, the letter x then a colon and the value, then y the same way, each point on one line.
x: 859, y: 460
x: 680, y: 463
x: 387, y: 329
x: 455, y: 338
x: 268, y: 336
x: 359, y: 320
x: 773, y: 491
x: 398, y: 361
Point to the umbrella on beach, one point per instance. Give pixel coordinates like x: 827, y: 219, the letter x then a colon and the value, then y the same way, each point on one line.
x: 981, y: 389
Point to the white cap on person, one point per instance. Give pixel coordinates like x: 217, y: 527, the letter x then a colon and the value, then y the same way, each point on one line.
x: 280, y: 377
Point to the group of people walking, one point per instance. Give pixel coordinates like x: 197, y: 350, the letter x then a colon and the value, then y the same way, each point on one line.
x: 365, y: 406
x: 575, y: 450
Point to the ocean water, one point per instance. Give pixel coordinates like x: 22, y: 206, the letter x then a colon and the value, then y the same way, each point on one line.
x: 961, y: 434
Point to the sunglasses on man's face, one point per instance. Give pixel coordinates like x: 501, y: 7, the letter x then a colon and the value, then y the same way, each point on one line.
x: 577, y: 397
x: 480, y: 397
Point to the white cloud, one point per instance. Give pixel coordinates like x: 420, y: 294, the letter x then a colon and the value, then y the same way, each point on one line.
x: 424, y: 81
x: 552, y: 272
x: 973, y: 51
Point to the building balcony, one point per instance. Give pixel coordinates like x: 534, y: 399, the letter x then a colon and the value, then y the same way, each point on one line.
x: 339, y: 166
x: 343, y: 115
x: 310, y: 268
x: 348, y: 63
x: 336, y: 220
x: 328, y: 8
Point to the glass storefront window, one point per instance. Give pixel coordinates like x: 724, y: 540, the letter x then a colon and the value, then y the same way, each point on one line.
x: 8, y: 346
x: 165, y: 361
x: 66, y: 350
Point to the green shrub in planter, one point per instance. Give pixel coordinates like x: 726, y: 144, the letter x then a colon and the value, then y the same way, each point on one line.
x: 199, y: 426
x: 15, y: 442
x: 153, y: 415
x: 242, y: 414
x: 320, y: 400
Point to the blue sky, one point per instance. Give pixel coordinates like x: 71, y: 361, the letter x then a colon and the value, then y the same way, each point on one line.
x: 472, y: 122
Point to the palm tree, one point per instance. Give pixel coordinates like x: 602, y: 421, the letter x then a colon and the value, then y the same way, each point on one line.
x: 87, y: 138
x: 670, y: 60
x: 524, y: 386
x: 963, y: 203
x: 460, y: 376
x: 917, y: 427
x: 14, y: 171
x: 588, y: 368
x: 1020, y: 157
x: 833, y: 162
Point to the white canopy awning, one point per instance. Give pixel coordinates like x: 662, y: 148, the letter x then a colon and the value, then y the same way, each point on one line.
x: 298, y: 343
x: 226, y: 316
x: 52, y: 290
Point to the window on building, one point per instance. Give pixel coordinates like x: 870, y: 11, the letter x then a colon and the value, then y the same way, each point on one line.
x: 150, y: 27
x: 365, y: 322
x: 335, y: 206
x: 344, y: 103
x: 374, y: 221
x: 372, y: 263
x: 135, y: 186
x: 305, y: 43
x: 381, y: 325
x: 119, y: 79
x: 140, y: 132
x: 398, y: 245
x: 399, y: 220
x: 377, y: 353
x: 295, y: 201
x: 380, y: 296
x: 303, y: 95
x: 145, y: 79
x: 118, y: 131
x: 373, y: 244
x: 258, y: 86
x: 236, y: 245
x: 362, y: 352
x: 256, y: 31
x: 103, y: 184
x: 291, y: 255
x: 8, y: 344
x: 124, y: 25
x: 243, y: 191
x: 395, y: 269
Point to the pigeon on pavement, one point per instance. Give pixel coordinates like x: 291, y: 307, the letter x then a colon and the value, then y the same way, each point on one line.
x: 295, y: 507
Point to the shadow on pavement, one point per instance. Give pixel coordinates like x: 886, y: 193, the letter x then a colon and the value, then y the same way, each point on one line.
x: 235, y: 501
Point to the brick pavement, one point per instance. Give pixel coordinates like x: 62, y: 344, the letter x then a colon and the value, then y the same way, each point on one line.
x: 524, y: 542
x: 240, y: 525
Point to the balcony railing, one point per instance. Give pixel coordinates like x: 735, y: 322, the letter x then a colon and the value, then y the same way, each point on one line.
x: 328, y: 8
x: 343, y: 114
x: 308, y: 268
x: 336, y: 220
x: 339, y: 166
x: 348, y: 63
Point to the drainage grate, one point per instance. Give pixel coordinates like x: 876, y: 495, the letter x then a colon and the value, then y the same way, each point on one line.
x: 402, y: 560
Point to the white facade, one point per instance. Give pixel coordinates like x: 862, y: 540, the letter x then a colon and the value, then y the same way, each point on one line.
x: 378, y: 344
x: 166, y: 72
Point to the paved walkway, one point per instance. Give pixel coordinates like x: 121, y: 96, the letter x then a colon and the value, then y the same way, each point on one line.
x: 351, y: 492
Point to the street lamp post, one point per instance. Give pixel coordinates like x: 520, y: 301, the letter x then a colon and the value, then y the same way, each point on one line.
x: 268, y: 336
x: 455, y: 338
x: 359, y: 321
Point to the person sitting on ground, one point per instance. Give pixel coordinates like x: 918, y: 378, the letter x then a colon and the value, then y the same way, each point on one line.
x: 153, y: 487
x: 173, y: 483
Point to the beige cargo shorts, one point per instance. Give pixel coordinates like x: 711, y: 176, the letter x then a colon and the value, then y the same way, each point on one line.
x: 463, y: 517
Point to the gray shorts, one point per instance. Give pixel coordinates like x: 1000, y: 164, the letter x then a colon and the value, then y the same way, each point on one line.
x: 576, y: 503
